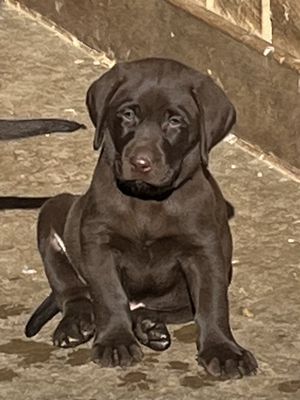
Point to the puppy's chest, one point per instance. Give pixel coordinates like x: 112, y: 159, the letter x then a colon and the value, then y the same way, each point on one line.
x: 146, y: 239
x: 145, y: 250
x: 149, y: 237
x: 145, y: 223
x: 149, y: 243
x: 148, y: 264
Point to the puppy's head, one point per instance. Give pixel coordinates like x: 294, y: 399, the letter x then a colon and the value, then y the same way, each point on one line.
x: 158, y: 120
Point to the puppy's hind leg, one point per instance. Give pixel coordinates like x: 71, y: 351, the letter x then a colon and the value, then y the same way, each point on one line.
x: 69, y: 289
x: 72, y: 297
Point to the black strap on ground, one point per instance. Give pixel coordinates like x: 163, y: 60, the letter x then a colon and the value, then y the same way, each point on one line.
x: 17, y: 129
x: 15, y: 202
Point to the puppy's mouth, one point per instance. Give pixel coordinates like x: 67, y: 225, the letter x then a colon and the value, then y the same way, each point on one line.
x: 153, y: 185
x: 143, y: 190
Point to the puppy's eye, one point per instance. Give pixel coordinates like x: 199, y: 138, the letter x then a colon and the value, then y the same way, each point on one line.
x: 128, y: 114
x: 175, y: 121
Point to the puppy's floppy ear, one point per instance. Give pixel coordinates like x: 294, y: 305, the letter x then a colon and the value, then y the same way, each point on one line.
x: 216, y: 112
x: 98, y: 98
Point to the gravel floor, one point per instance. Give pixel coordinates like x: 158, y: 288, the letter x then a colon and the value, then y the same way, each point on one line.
x: 42, y: 75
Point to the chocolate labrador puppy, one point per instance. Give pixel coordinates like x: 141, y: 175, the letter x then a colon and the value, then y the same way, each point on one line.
x: 18, y: 129
x: 149, y: 243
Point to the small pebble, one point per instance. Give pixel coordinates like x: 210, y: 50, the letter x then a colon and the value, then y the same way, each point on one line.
x: 75, y: 41
x: 268, y: 50
x: 28, y: 271
x: 247, y: 313
x: 230, y: 138
x: 243, y: 291
x: 70, y: 110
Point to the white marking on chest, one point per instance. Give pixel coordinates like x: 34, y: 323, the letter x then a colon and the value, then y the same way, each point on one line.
x: 58, y: 243
x: 134, y: 306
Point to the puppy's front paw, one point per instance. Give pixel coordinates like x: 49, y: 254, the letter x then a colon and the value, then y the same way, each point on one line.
x: 76, y: 327
x: 227, y: 360
x: 153, y: 334
x: 122, y: 351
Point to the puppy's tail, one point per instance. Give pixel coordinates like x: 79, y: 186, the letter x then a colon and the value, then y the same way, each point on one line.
x: 45, y: 311
x: 17, y: 129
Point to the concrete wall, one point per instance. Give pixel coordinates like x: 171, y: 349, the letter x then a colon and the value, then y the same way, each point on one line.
x: 261, y: 84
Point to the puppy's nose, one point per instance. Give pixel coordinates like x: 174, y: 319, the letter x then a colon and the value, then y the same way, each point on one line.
x: 141, y: 163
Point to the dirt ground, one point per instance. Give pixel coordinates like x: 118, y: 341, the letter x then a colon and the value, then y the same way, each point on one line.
x: 42, y: 75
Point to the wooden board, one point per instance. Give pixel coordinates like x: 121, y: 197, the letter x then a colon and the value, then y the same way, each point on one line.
x: 244, y: 13
x: 286, y: 25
